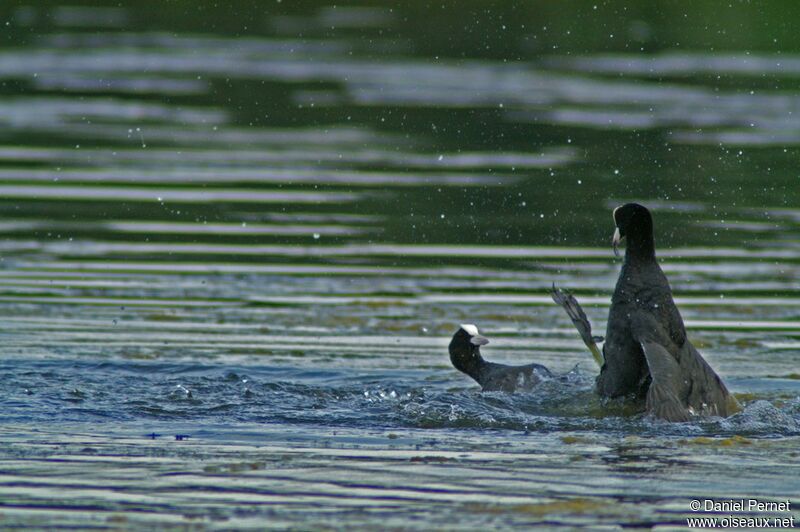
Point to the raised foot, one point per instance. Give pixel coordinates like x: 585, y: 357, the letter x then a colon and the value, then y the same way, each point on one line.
x: 573, y: 309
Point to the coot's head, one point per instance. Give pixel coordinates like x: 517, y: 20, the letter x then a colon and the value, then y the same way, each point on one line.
x: 633, y: 222
x: 465, y: 351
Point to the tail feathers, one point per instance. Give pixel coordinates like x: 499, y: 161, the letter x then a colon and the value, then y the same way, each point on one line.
x: 664, y: 404
x: 568, y: 302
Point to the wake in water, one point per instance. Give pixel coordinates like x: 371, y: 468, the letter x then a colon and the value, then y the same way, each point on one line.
x: 51, y: 391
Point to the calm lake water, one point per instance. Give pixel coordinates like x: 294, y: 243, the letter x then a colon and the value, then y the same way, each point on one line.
x: 237, y: 241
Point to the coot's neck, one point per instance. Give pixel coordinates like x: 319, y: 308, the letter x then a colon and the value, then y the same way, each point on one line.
x: 472, y: 365
x: 640, y: 249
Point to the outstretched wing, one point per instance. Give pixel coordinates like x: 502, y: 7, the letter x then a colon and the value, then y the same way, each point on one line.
x: 568, y: 302
x: 708, y: 393
x: 684, y: 383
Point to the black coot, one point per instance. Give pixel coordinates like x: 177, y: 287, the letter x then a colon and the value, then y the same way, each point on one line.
x: 465, y: 354
x: 646, y: 353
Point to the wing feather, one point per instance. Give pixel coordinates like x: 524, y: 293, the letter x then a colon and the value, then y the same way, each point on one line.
x: 664, y: 398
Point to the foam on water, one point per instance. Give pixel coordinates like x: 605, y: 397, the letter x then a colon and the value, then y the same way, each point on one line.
x: 215, y: 394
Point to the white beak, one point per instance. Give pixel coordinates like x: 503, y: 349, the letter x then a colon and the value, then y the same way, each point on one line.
x: 479, y: 340
x: 615, y: 242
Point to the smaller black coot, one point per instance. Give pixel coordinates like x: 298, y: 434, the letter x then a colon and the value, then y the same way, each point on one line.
x: 465, y: 354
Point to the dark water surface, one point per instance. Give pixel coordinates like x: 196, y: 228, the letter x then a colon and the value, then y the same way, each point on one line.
x: 236, y: 241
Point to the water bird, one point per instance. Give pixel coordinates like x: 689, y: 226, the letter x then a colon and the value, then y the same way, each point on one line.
x: 646, y: 353
x: 465, y: 354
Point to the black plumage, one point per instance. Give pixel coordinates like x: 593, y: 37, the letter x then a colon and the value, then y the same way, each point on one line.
x: 466, y: 357
x: 646, y: 353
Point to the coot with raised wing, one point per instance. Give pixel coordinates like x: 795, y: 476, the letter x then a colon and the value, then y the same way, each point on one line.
x: 646, y: 353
